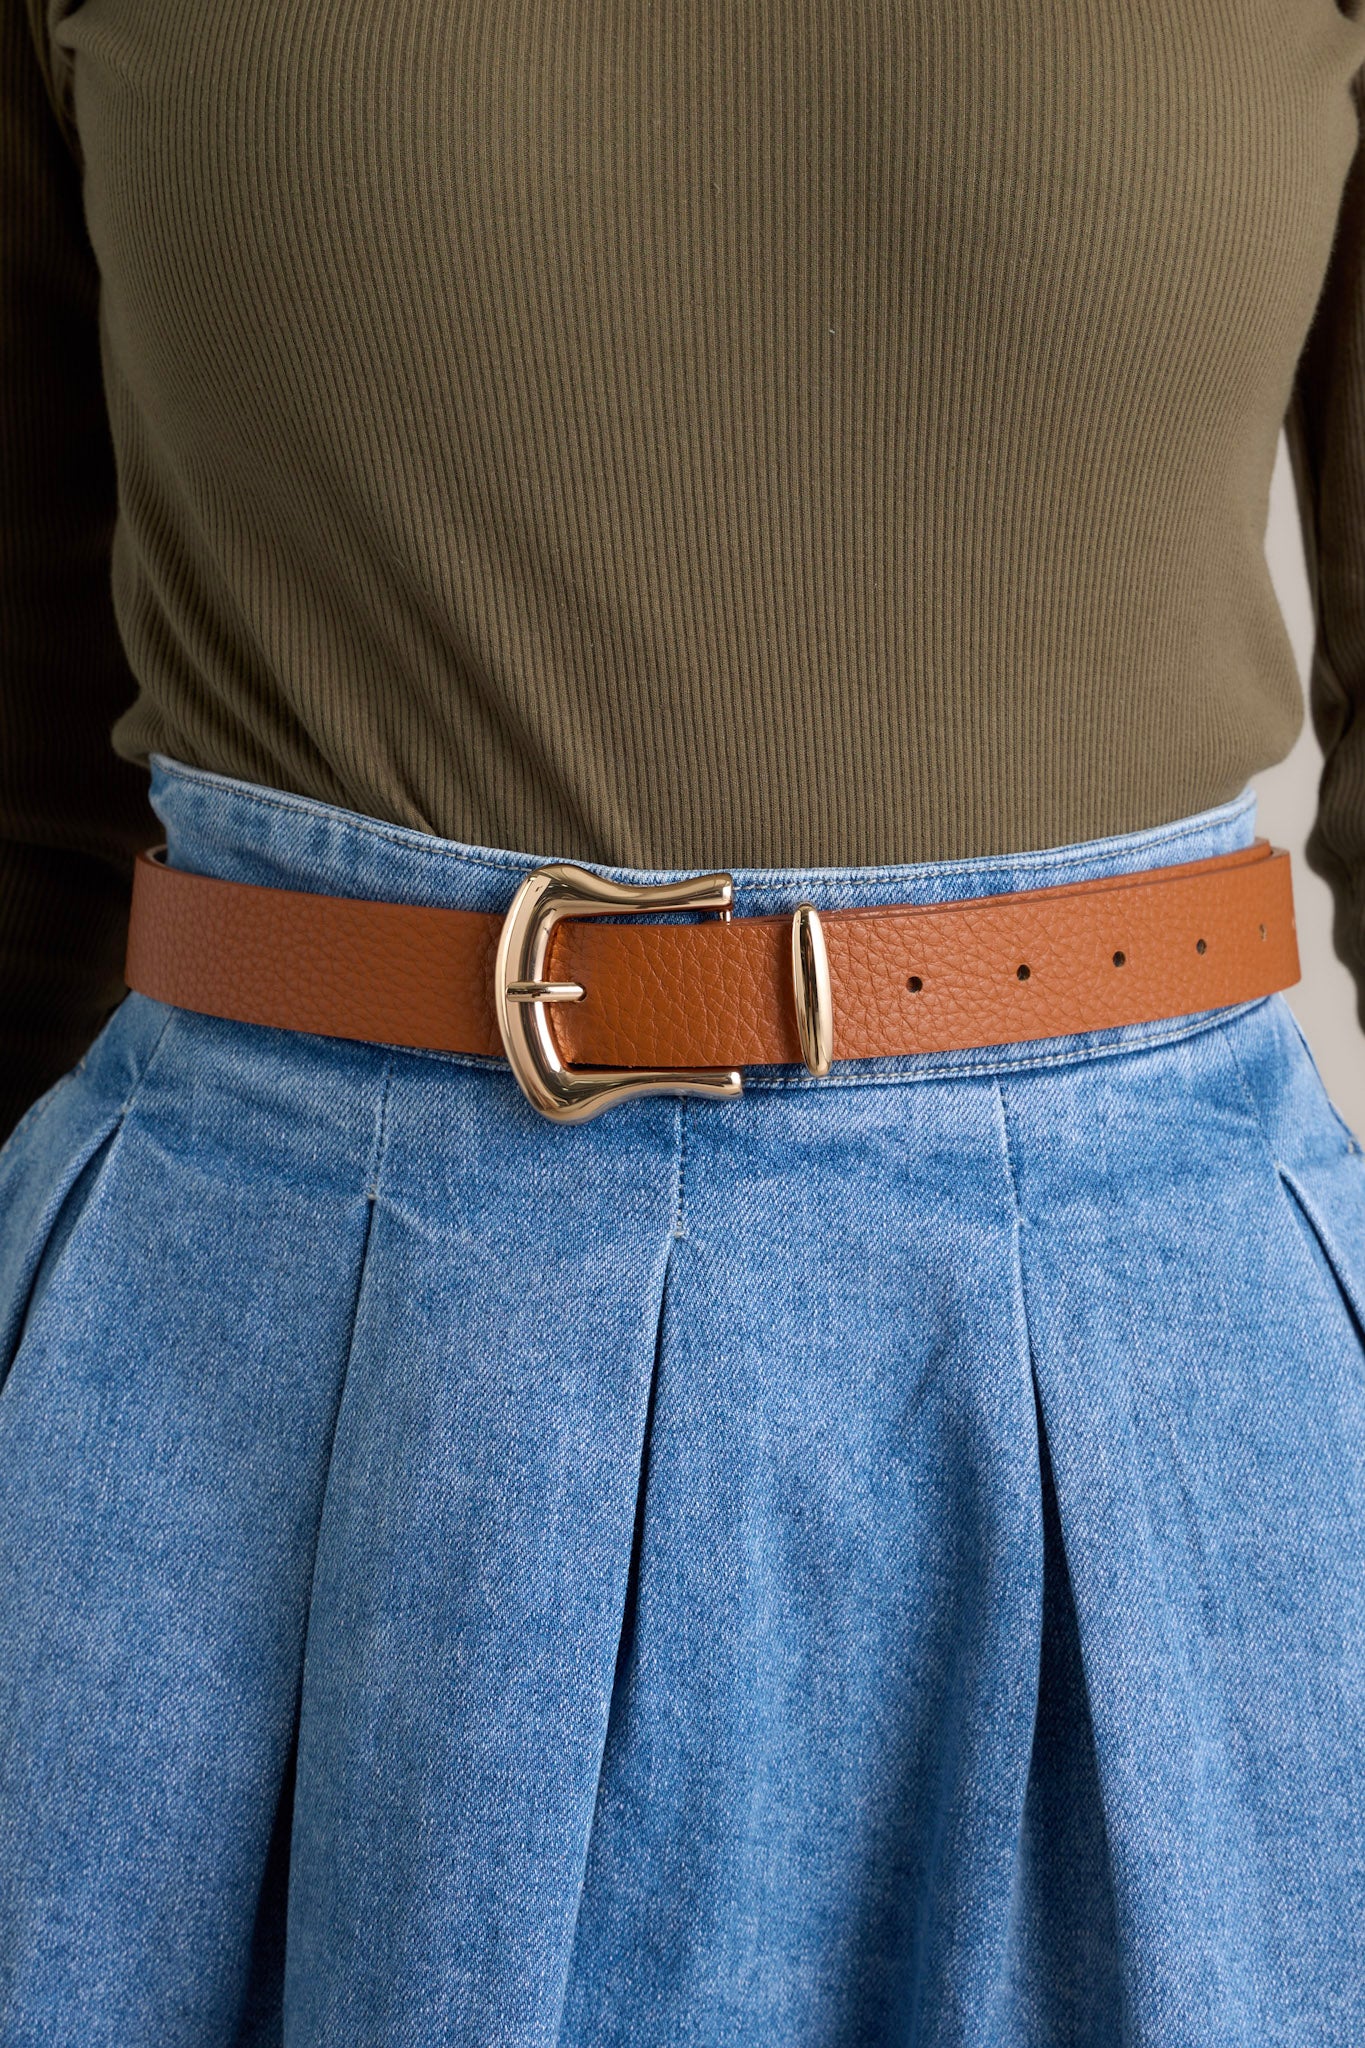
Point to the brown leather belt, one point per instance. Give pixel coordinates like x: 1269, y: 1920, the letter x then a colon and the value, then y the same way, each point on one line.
x: 681, y: 1006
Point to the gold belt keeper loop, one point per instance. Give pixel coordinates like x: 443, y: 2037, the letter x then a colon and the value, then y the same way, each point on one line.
x: 812, y: 990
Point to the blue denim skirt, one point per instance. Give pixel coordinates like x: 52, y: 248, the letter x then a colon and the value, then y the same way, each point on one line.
x: 880, y: 1561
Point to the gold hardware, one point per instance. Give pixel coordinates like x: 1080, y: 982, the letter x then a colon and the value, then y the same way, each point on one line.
x: 561, y: 1092
x: 545, y: 992
x: 811, y: 985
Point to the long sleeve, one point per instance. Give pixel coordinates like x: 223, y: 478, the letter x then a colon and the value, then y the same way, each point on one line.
x: 1325, y: 434
x: 71, y: 812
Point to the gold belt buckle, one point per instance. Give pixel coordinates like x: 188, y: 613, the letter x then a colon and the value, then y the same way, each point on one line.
x: 564, y: 1093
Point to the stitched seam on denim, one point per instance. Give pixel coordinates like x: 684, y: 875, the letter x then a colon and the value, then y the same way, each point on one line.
x: 1042, y: 1439
x: 140, y: 1077
x: 630, y: 1594
x: 1020, y: 1292
x: 408, y: 836
x: 104, y: 1151
x: 1303, y: 1215
x: 381, y: 1127
x: 1347, y: 1135
x: 36, y: 1111
x: 755, y: 1081
x: 373, y: 1168
x: 1293, y: 1024
x: 1253, y: 1105
x: 1025, y: 1065
x: 1010, y: 1173
x: 680, y: 1170
x: 432, y: 844
x: 1306, y: 1217
x: 1284, y: 1176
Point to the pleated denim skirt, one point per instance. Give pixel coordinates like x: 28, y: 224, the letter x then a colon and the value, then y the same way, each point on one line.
x: 880, y: 1561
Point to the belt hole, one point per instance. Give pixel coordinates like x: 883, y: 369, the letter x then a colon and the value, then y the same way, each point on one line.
x: 1119, y: 959
x: 1023, y: 973
x: 1200, y: 946
x: 914, y: 984
x: 1262, y: 931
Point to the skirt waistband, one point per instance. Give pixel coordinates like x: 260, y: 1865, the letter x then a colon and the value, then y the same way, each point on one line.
x: 246, y: 832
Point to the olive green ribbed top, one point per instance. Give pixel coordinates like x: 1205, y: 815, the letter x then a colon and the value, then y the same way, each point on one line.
x: 667, y: 432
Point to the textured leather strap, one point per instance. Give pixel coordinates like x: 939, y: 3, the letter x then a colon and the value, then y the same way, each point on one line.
x: 1122, y: 949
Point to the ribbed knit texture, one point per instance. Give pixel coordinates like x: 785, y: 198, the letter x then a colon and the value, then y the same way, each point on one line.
x: 804, y: 431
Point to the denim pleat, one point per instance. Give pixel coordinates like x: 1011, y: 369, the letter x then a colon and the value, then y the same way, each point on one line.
x: 878, y: 1562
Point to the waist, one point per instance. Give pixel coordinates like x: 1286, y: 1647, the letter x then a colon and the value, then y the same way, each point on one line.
x: 903, y: 968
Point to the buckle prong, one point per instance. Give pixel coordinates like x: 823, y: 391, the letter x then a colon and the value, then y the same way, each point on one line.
x: 564, y: 1093
x: 546, y: 992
